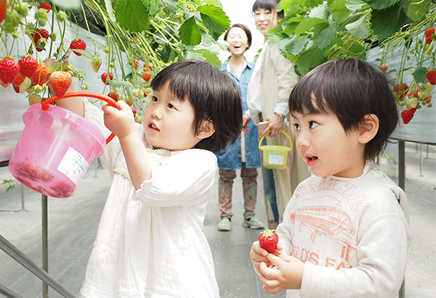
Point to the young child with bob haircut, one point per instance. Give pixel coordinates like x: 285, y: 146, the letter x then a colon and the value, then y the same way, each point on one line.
x: 150, y: 241
x: 345, y: 231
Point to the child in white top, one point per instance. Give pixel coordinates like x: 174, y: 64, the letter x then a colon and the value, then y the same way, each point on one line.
x: 345, y: 230
x: 150, y: 241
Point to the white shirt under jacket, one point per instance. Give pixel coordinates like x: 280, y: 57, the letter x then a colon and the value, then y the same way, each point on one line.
x: 352, y: 235
x: 150, y: 242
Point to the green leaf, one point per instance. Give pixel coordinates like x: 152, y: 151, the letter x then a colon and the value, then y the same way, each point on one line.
x: 299, y: 46
x: 154, y: 7
x: 320, y: 12
x: 290, y: 28
x: 309, y: 23
x: 416, y: 11
x: 273, y: 39
x: 285, y: 4
x: 357, y: 51
x: 354, y: 5
x: 387, y: 22
x: 132, y: 15
x: 214, y: 2
x: 339, y: 11
x: 325, y: 37
x: 214, y: 19
x: 67, y: 5
x: 309, y: 60
x: 168, y: 54
x: 419, y: 75
x: 189, y: 33
x: 383, y: 4
x: 110, y: 10
x: 118, y: 83
x: 358, y: 28
x: 310, y: 3
x: 210, y: 57
x: 172, y: 4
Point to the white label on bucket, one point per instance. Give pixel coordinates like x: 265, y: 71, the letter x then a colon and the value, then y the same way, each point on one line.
x: 275, y: 159
x: 73, y: 165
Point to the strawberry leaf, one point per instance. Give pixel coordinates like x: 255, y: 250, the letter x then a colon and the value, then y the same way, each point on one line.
x: 309, y: 23
x: 214, y: 19
x: 339, y: 11
x: 383, y: 4
x: 386, y: 22
x: 210, y: 57
x: 419, y: 75
x: 189, y: 33
x: 132, y: 15
x: 325, y: 37
x: 358, y: 28
x: 416, y: 11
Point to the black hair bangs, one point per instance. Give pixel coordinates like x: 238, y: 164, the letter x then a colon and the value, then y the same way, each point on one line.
x: 265, y: 4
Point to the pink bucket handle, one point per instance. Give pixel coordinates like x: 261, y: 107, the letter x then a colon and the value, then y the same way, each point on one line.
x: 45, y: 104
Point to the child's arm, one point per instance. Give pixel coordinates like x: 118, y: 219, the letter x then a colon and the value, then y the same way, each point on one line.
x: 122, y: 124
x: 287, y: 273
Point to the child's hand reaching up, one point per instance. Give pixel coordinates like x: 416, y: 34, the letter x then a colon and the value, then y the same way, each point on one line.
x: 281, y: 273
x: 120, y: 122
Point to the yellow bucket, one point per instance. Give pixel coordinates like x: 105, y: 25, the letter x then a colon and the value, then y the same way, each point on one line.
x: 275, y: 157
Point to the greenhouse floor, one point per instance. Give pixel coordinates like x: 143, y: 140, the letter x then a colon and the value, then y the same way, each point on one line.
x: 72, y: 224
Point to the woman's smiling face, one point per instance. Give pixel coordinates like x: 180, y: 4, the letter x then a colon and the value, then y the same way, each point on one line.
x: 238, y: 41
x: 265, y: 20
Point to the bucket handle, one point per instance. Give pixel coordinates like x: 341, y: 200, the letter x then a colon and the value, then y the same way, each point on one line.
x: 45, y: 104
x: 261, y: 139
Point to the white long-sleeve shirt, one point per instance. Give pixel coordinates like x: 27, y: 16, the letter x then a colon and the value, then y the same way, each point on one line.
x: 352, y: 235
x: 150, y: 241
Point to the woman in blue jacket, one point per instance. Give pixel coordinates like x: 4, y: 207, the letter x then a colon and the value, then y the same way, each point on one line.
x: 244, y: 154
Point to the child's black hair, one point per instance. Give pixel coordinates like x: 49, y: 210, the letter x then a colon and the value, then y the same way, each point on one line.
x: 267, y: 4
x: 243, y: 27
x: 213, y: 94
x: 350, y: 89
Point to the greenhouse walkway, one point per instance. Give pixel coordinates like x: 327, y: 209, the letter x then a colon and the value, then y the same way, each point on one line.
x: 72, y: 224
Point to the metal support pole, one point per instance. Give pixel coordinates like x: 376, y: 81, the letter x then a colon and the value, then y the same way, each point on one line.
x: 401, y: 165
x: 8, y: 293
x: 27, y: 263
x: 421, y: 165
x: 44, y: 213
x: 22, y: 198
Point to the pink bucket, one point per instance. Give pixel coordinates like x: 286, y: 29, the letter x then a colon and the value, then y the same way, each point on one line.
x: 56, y: 147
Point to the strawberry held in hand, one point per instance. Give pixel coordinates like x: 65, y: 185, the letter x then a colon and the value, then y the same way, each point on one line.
x: 268, y: 241
x: 60, y: 82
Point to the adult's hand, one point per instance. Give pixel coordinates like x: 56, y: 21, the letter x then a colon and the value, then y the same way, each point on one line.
x: 245, y: 120
x: 275, y: 124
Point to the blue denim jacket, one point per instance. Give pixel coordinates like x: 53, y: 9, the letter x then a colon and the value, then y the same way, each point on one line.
x: 230, y: 158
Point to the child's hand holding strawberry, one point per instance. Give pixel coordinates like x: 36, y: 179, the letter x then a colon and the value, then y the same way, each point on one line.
x: 281, y: 273
x: 267, y: 244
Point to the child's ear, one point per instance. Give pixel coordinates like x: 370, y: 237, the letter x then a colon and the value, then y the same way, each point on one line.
x: 207, y: 130
x: 369, y: 128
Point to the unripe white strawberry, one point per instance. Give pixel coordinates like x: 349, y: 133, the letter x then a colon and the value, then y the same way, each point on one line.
x: 34, y: 98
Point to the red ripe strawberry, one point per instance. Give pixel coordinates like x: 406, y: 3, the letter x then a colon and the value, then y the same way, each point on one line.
x: 384, y: 68
x: 104, y: 77
x: 407, y: 116
x: 136, y: 64
x: 40, y: 75
x: 28, y: 65
x: 113, y: 95
x: 146, y: 76
x: 428, y: 35
x: 78, y: 44
x: 60, y: 82
x: 401, y: 90
x: 431, y: 76
x: 9, y: 70
x: 45, y: 5
x: 268, y: 241
x: 37, y: 35
x: 3, y: 8
x: 134, y: 111
x: 427, y: 99
x: 19, y: 80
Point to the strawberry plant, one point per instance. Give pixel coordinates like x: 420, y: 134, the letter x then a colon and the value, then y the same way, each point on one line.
x: 150, y: 33
x: 315, y: 31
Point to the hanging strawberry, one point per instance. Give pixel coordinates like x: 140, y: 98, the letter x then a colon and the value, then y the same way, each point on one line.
x: 431, y: 76
x: 28, y: 65
x: 40, y: 75
x: 60, y: 82
x: 104, y: 77
x: 429, y: 33
x: 45, y: 5
x: 79, y: 45
x: 3, y: 8
x: 9, y: 70
x: 407, y: 115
